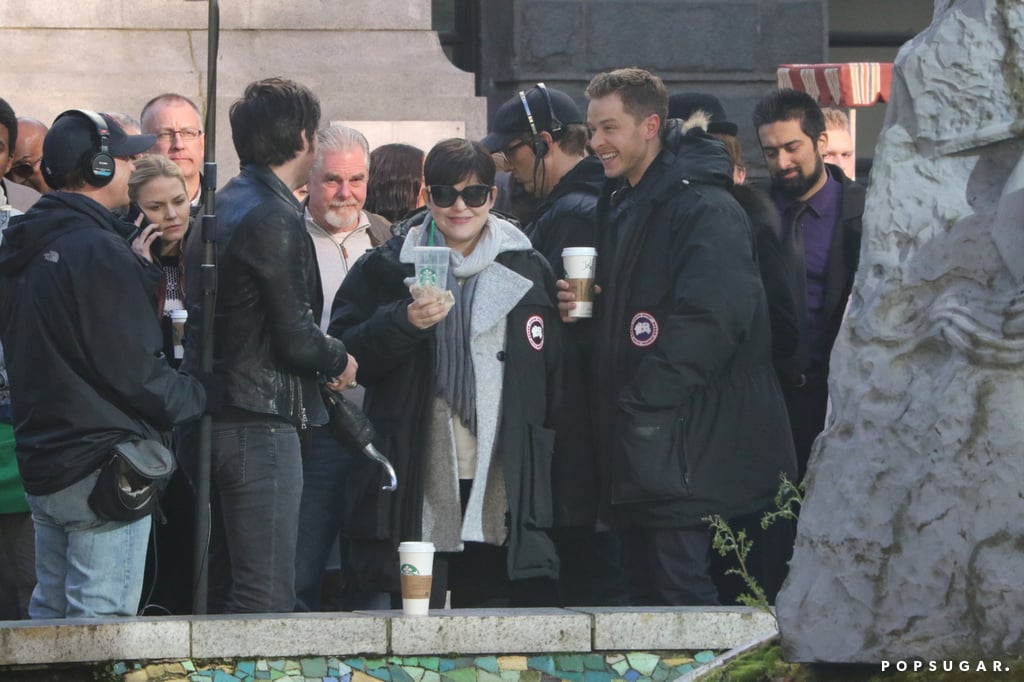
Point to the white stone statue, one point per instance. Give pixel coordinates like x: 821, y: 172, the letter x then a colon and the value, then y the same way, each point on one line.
x: 911, y: 536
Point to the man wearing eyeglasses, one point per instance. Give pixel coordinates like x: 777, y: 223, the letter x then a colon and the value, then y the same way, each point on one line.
x: 19, y: 196
x: 178, y: 126
x: 542, y: 139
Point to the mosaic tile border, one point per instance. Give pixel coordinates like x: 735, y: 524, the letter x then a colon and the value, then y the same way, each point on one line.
x: 586, y: 667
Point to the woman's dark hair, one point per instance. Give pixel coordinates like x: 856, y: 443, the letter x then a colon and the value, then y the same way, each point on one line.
x: 453, y: 160
x: 268, y: 121
x: 396, y: 175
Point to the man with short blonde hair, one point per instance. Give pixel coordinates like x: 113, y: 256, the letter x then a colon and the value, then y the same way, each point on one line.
x: 839, y: 149
x: 690, y: 421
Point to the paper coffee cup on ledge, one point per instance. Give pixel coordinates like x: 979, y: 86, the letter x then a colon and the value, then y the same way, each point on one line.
x: 580, y: 262
x: 416, y: 566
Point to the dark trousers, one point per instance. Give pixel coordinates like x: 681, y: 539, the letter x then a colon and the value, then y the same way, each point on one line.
x: 478, y: 576
x: 669, y: 566
x: 591, y: 572
x: 168, y: 586
x: 17, y: 564
x: 325, y: 462
x: 806, y: 406
x: 256, y: 477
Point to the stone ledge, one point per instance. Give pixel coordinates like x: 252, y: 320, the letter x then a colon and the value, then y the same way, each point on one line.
x: 490, y: 631
x: 290, y: 634
x: 676, y: 627
x: 464, y: 631
x: 80, y: 641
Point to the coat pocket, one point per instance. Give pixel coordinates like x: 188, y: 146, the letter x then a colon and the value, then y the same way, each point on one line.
x: 649, y: 464
x: 537, y: 494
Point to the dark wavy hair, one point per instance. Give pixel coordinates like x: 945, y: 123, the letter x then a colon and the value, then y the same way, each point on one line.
x: 396, y: 176
x: 267, y: 123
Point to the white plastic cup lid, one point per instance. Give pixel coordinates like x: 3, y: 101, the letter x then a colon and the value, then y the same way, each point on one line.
x: 579, y: 251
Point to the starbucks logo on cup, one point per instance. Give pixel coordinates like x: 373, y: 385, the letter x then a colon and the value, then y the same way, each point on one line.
x: 409, y: 569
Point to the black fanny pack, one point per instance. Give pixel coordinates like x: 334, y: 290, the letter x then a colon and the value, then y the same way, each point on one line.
x: 126, y: 489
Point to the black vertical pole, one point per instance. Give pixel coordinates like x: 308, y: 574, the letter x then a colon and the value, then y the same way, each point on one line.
x: 208, y: 284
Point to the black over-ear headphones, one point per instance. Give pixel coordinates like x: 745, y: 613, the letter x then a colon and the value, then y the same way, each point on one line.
x: 540, y: 145
x: 97, y: 166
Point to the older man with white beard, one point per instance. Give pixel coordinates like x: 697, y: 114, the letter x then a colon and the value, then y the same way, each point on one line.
x: 342, y: 232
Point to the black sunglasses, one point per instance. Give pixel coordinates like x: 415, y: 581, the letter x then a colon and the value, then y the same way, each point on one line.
x: 24, y: 170
x: 444, y: 196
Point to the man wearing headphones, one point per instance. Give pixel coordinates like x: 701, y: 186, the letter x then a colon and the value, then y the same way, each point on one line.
x: 542, y: 140
x: 86, y: 370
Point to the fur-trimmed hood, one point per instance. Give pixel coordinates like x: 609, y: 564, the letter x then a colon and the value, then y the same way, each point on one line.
x: 699, y: 157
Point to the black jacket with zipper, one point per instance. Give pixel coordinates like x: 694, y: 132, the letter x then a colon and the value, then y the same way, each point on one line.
x: 83, y: 346
x: 268, y: 347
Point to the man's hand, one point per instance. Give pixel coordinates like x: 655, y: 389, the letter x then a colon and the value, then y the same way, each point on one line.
x: 346, y: 379
x: 425, y: 312
x: 567, y: 300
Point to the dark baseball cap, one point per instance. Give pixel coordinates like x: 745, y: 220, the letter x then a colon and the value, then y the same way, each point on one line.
x: 683, y: 106
x: 511, y: 122
x: 73, y: 138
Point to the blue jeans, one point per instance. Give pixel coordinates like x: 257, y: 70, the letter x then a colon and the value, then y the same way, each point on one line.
x: 256, y: 484
x: 325, y: 465
x: 86, y: 567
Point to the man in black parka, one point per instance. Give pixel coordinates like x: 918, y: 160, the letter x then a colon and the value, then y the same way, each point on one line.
x: 690, y: 418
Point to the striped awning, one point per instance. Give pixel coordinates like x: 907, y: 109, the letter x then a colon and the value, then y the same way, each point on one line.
x: 856, y: 84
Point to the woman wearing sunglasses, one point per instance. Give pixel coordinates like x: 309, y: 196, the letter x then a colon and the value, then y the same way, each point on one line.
x: 460, y: 397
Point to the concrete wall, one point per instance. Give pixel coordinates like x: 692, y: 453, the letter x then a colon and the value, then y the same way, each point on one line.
x: 368, y: 60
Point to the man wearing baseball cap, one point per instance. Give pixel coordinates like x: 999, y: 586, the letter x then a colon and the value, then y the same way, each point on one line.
x: 85, y: 365
x: 542, y: 141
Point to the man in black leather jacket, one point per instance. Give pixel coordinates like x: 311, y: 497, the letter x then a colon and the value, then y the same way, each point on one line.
x: 543, y: 139
x: 268, y: 349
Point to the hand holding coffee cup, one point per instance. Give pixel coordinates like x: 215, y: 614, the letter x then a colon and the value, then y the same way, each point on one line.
x: 580, y: 263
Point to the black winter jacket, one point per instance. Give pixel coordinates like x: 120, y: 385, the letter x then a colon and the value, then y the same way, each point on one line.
x: 691, y: 418
x: 774, y: 268
x: 566, y: 217
x: 267, y: 344
x: 397, y: 367
x: 83, y: 346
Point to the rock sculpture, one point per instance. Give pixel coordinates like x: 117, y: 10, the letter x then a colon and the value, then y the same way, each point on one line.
x: 911, y: 536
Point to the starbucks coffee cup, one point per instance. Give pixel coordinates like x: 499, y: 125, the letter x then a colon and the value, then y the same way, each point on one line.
x: 580, y: 262
x: 416, y: 566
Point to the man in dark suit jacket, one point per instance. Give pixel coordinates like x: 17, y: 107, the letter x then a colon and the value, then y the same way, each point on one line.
x: 821, y: 225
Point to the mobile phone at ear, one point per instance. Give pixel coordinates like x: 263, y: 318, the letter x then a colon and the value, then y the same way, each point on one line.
x: 134, y: 211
